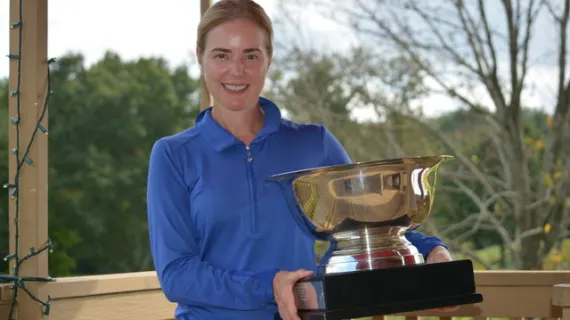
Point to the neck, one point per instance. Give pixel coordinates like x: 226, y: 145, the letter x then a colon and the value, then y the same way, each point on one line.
x: 244, y: 124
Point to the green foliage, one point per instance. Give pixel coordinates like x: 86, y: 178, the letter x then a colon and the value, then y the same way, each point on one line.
x: 103, y: 122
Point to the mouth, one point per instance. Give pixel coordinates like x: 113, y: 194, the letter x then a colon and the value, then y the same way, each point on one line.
x: 235, y: 87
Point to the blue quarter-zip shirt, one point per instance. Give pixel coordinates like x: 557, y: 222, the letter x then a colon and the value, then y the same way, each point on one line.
x: 218, y: 230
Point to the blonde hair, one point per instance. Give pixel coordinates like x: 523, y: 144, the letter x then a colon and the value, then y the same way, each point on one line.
x: 227, y: 10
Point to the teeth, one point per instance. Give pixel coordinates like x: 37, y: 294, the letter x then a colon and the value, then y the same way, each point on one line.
x: 235, y: 88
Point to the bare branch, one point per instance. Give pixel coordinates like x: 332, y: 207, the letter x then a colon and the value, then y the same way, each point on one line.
x: 453, y: 246
x: 450, y: 146
x: 460, y: 41
x: 409, y: 47
x: 501, y: 230
x: 447, y: 46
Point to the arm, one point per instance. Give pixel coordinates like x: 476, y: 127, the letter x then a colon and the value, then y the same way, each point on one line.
x: 335, y: 154
x: 425, y: 244
x: 333, y: 150
x: 184, y: 278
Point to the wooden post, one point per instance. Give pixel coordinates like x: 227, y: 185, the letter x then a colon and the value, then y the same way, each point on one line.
x: 561, y: 299
x: 33, y: 186
x: 205, y: 98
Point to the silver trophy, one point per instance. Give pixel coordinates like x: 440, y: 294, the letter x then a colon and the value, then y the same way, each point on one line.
x: 363, y: 210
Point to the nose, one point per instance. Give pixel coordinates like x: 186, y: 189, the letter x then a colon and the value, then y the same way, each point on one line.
x: 236, y: 67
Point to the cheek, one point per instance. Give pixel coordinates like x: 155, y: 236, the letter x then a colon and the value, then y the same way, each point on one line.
x: 214, y: 70
x: 258, y: 70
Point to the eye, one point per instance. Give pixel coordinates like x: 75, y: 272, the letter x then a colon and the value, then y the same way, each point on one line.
x: 252, y: 57
x: 220, y: 56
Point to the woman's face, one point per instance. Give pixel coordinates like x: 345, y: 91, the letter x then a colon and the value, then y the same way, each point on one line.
x: 234, y: 63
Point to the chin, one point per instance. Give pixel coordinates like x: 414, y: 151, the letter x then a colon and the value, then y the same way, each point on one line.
x: 239, y: 100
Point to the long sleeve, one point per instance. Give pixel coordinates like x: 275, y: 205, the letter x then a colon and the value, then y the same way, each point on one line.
x: 333, y: 150
x: 425, y: 244
x: 335, y: 154
x: 183, y: 276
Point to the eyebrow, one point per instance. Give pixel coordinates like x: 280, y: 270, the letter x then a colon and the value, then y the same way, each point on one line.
x: 228, y: 50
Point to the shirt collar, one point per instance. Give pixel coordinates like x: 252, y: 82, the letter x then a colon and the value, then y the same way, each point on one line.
x: 222, y: 139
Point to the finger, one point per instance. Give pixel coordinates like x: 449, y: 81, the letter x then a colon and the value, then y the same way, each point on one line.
x: 282, y: 313
x: 292, y: 311
x: 289, y: 305
x: 288, y: 310
x: 302, y: 273
x: 447, y: 309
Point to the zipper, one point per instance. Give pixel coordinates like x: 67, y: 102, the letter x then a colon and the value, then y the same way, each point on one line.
x: 252, y: 190
x: 249, y: 156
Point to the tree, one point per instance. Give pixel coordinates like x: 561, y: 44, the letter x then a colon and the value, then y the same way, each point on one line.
x: 327, y: 88
x: 461, y: 46
x: 103, y: 122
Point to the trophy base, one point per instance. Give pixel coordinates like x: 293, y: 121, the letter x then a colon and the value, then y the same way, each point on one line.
x: 387, y: 309
x: 386, y: 291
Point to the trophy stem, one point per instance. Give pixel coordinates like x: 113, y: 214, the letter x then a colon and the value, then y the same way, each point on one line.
x: 372, y: 248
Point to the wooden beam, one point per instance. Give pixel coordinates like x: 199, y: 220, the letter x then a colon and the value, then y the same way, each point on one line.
x: 205, y: 97
x: 138, y: 296
x: 561, y: 298
x: 31, y: 83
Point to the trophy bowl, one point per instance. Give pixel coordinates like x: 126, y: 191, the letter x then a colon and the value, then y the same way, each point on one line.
x: 363, y: 210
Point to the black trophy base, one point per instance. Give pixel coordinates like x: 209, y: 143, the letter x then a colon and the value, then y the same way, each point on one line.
x: 392, y: 290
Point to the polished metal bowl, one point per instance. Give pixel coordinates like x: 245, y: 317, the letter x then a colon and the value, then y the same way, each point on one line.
x: 365, y: 206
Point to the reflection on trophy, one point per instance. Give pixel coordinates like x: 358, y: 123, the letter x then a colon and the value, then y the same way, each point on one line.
x: 363, y: 210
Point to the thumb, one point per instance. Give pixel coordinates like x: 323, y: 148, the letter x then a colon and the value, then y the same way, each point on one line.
x: 302, y: 273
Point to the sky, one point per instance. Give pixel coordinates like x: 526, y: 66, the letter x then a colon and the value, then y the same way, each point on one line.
x: 135, y: 28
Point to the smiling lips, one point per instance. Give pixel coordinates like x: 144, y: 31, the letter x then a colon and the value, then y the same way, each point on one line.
x: 236, y: 87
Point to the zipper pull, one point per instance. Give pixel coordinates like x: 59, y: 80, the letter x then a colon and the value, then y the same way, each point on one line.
x: 249, y: 156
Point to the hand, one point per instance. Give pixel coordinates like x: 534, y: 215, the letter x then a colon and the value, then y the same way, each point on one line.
x: 306, y: 296
x: 283, y: 291
x: 441, y: 254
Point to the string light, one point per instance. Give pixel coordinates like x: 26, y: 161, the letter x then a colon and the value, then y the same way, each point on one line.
x: 18, y: 281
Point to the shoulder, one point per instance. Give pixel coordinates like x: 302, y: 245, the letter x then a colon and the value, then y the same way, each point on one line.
x: 174, y: 156
x: 288, y: 127
x: 303, y: 129
x: 177, y: 141
x: 175, y: 146
x: 318, y: 137
x: 313, y: 132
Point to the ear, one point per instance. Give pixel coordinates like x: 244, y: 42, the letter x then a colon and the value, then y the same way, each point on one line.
x: 199, y: 56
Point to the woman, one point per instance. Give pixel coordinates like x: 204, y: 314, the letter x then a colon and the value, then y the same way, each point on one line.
x: 222, y: 238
